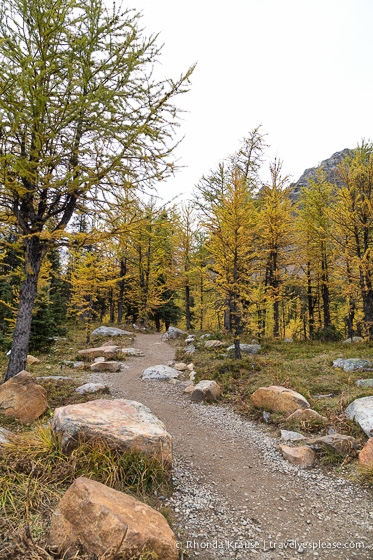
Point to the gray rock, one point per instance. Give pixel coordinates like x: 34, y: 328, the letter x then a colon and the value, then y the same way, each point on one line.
x: 172, y: 333
x: 364, y: 383
x: 133, y: 352
x: 206, y: 390
x: 287, y: 435
x: 353, y: 339
x: 90, y: 388
x: 338, y: 443
x: 110, y: 366
x: 206, y: 335
x: 53, y: 378
x: 159, y: 373
x: 110, y: 331
x: 288, y: 340
x: 247, y: 348
x: 352, y: 364
x: 361, y: 411
x: 4, y: 435
x: 190, y: 349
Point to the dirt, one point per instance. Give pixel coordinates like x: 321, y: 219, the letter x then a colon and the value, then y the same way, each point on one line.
x: 290, y: 513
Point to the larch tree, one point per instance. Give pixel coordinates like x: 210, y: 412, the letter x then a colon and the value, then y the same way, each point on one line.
x: 274, y: 237
x: 78, y: 104
x: 353, y: 216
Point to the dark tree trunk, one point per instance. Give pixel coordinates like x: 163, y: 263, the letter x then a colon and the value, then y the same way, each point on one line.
x: 311, y: 303
x: 34, y: 253
x: 123, y: 272
x: 325, y: 291
x: 187, y: 308
x: 157, y: 323
x: 111, y: 306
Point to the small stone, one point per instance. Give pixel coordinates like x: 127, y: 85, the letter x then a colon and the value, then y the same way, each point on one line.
x: 31, y: 360
x: 206, y: 390
x: 303, y: 456
x: 306, y: 414
x: 106, y: 366
x: 90, y: 388
x: 190, y: 367
x: 213, y: 344
x: 133, y: 352
x: 180, y: 366
x: 287, y: 435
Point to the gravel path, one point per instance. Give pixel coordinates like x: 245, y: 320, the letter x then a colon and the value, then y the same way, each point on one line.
x: 235, y: 496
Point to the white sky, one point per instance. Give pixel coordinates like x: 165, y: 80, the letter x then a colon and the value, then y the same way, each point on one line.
x: 301, y: 68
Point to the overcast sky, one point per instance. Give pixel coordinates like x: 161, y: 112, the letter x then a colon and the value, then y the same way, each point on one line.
x: 301, y: 68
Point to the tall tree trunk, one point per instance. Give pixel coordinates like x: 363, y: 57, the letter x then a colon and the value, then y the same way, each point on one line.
x: 325, y: 291
x: 187, y: 308
x: 311, y: 303
x: 34, y: 253
x: 111, y: 306
x: 123, y: 272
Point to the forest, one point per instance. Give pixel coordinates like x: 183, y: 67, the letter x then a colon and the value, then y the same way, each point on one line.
x: 87, y: 135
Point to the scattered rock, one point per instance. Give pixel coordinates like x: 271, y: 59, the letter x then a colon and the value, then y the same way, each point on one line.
x: 31, y: 360
x: 173, y: 333
x: 111, y: 331
x: 189, y: 389
x: 22, y: 398
x: 206, y: 335
x: 287, y: 435
x: 90, y: 388
x: 364, y: 383
x: 338, y: 443
x: 102, y: 351
x: 353, y: 339
x: 190, y: 349
x: 247, y: 348
x: 305, y: 415
x: 191, y: 338
x: 78, y: 365
x: 133, y: 352
x: 5, y: 435
x: 288, y: 340
x: 365, y: 460
x: 124, y: 424
x: 361, y: 410
x: 213, y: 344
x: 278, y: 399
x: 103, y: 519
x: 180, y: 366
x: 352, y: 364
x: 99, y: 359
x: 303, y: 456
x: 53, y: 378
x: 206, y: 390
x: 192, y: 375
x: 106, y: 366
x: 190, y: 367
x: 159, y: 373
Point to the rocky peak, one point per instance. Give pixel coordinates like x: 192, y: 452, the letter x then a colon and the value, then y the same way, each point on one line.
x: 329, y: 165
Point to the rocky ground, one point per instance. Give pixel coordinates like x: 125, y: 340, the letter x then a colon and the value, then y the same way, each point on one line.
x: 235, y: 496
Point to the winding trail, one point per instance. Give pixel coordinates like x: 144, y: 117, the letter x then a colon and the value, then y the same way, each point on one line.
x: 235, y: 495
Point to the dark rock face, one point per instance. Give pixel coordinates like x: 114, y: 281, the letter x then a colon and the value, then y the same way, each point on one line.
x: 329, y: 165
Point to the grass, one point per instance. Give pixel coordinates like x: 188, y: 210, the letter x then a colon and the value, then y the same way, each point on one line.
x: 35, y: 473
x: 305, y: 367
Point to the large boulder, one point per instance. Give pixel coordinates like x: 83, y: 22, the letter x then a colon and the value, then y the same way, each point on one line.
x: 352, y: 364
x: 110, y: 366
x: 302, y: 456
x: 247, y: 348
x: 206, y: 390
x: 278, y: 399
x: 124, y: 424
x: 337, y: 443
x: 361, y: 410
x: 365, y: 460
x: 159, y: 373
x: 111, y: 331
x: 21, y: 397
x: 102, y: 520
x: 106, y: 352
x: 172, y: 333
